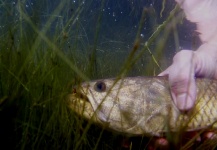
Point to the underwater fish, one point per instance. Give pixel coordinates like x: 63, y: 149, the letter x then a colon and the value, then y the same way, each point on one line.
x: 143, y: 105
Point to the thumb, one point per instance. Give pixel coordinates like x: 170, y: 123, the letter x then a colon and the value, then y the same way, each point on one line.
x: 183, y: 89
x: 182, y: 80
x: 183, y: 92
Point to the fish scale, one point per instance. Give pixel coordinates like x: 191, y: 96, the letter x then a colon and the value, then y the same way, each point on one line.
x: 143, y: 105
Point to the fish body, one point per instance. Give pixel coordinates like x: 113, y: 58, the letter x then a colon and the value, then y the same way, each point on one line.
x: 143, y: 105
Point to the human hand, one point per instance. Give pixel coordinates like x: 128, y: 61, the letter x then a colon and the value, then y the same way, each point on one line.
x: 190, y: 64
x: 185, y: 67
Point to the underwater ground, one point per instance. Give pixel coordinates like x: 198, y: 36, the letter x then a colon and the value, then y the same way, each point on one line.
x: 49, y: 46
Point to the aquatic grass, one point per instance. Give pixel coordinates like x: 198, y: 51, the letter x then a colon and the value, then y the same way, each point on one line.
x: 46, y: 51
x: 34, y: 80
x: 36, y: 76
x: 37, y: 73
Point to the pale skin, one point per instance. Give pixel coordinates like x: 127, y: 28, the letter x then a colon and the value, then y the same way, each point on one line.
x: 188, y: 64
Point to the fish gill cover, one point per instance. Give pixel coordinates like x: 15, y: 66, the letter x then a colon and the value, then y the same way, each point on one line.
x: 48, y: 46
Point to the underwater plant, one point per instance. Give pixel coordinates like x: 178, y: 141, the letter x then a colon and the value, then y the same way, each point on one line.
x: 48, y: 47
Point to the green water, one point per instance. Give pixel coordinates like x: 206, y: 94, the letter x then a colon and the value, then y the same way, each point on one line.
x: 47, y: 47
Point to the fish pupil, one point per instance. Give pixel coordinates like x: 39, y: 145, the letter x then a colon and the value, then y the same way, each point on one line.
x: 100, y: 86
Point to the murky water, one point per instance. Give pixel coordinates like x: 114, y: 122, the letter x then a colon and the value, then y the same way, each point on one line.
x: 46, y: 46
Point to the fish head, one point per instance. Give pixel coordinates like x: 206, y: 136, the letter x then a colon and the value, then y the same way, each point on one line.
x: 124, y: 105
x: 97, y: 100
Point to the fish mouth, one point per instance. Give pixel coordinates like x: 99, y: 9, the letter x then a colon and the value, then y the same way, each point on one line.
x: 80, y: 104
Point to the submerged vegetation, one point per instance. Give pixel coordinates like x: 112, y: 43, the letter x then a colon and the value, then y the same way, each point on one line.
x: 47, y: 47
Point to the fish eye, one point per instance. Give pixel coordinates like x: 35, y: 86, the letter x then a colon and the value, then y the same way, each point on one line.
x: 100, y: 86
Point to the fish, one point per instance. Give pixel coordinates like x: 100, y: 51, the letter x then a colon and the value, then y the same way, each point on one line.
x: 143, y: 105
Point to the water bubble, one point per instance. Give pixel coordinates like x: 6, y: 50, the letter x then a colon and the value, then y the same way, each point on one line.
x: 113, y: 14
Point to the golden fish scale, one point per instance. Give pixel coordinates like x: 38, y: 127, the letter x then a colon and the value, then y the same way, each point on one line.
x: 204, y: 114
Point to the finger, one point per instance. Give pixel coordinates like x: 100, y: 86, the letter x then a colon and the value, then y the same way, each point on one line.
x: 182, y: 81
x: 206, y: 57
x: 164, y: 73
x: 161, y: 143
x: 184, y: 93
x: 209, y: 140
x: 209, y: 136
x: 158, y: 143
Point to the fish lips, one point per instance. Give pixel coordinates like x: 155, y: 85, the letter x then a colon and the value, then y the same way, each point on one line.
x: 80, y: 104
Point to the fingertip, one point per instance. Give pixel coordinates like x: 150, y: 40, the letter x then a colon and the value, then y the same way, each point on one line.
x: 184, y: 102
x: 164, y: 73
x: 161, y: 74
x: 209, y: 139
x: 209, y: 135
x: 162, y: 143
x: 184, y: 94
